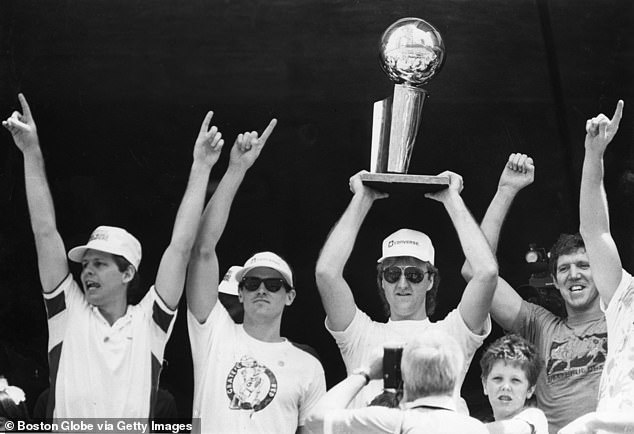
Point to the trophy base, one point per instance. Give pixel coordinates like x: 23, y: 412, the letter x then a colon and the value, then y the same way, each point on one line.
x: 398, y: 182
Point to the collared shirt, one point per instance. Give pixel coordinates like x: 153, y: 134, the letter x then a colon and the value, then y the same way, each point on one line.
x: 100, y: 370
x: 429, y: 415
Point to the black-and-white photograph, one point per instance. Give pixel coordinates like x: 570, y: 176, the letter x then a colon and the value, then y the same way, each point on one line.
x: 337, y: 216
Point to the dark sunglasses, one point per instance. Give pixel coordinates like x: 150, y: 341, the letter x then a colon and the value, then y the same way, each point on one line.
x: 252, y: 283
x: 412, y: 274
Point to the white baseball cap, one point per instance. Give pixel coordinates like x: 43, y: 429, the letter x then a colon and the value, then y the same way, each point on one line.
x: 269, y: 260
x: 407, y: 242
x: 112, y: 240
x: 229, y: 284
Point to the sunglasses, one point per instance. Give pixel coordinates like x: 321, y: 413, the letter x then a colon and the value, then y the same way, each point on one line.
x: 412, y: 274
x: 272, y: 284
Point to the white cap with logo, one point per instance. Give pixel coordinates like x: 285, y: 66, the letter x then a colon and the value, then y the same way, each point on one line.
x: 269, y: 260
x: 407, y: 242
x: 229, y: 284
x: 112, y: 240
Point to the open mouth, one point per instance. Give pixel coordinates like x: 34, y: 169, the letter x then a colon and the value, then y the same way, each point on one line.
x: 89, y: 285
x: 576, y: 288
x: 505, y: 398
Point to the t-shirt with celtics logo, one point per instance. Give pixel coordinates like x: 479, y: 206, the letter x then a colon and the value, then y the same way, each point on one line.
x: 244, y: 385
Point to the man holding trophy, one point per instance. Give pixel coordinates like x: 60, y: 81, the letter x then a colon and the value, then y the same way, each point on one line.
x: 407, y: 278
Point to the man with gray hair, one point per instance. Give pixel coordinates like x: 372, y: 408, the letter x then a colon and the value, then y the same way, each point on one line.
x: 431, y: 367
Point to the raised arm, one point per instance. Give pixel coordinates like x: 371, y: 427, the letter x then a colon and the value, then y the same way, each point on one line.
x: 335, y: 293
x: 607, y: 422
x: 51, y: 253
x: 343, y: 393
x: 170, y: 278
x: 593, y: 205
x: 476, y: 299
x: 203, y: 274
x: 518, y: 173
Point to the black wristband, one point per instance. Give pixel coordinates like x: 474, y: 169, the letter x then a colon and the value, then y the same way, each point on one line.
x: 364, y: 373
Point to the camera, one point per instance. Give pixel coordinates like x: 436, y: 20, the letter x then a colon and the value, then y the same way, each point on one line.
x: 392, y: 378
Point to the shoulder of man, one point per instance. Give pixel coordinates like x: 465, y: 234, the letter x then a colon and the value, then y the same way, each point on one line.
x: 307, y: 349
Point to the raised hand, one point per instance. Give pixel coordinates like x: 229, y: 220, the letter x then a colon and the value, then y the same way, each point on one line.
x: 518, y: 173
x: 357, y: 187
x: 600, y: 130
x: 247, y: 147
x: 22, y: 127
x: 208, y: 143
x: 375, y: 365
x: 454, y: 188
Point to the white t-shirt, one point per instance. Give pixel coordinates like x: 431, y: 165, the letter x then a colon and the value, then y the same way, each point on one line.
x: 535, y: 418
x: 244, y: 385
x: 616, y: 392
x: 363, y: 337
x: 434, y: 416
x: 98, y: 370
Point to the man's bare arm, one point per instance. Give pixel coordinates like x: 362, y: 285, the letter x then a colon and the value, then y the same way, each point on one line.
x: 603, y: 254
x: 203, y: 273
x: 51, y: 253
x: 335, y: 293
x: 476, y: 299
x: 518, y: 172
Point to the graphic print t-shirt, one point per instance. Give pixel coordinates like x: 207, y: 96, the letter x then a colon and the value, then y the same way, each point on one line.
x: 243, y: 385
x: 573, y: 354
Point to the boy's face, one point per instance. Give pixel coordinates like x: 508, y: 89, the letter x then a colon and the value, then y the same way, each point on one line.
x: 507, y: 388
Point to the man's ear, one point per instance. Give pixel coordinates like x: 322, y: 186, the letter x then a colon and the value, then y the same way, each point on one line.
x: 431, y: 282
x: 290, y: 296
x: 128, y: 274
x: 240, y: 298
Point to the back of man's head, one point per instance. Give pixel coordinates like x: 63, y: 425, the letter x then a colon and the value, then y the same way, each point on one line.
x: 431, y: 365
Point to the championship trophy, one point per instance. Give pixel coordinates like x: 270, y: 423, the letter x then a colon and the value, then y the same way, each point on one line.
x: 412, y: 52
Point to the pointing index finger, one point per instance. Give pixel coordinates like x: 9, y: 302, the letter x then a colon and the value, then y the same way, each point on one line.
x: 269, y: 129
x: 618, y: 112
x: 205, y: 125
x: 26, y: 110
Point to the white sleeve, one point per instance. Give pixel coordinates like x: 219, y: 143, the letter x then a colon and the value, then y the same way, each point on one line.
x: 60, y: 303
x: 453, y: 324
x: 624, y: 284
x: 535, y: 418
x: 201, y: 334
x: 353, y: 340
x: 315, y: 390
x: 162, y: 320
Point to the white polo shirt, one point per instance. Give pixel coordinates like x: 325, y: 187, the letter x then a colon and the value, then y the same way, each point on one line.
x: 98, y: 370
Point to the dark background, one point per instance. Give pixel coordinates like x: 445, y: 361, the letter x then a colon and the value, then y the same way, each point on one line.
x: 119, y: 88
